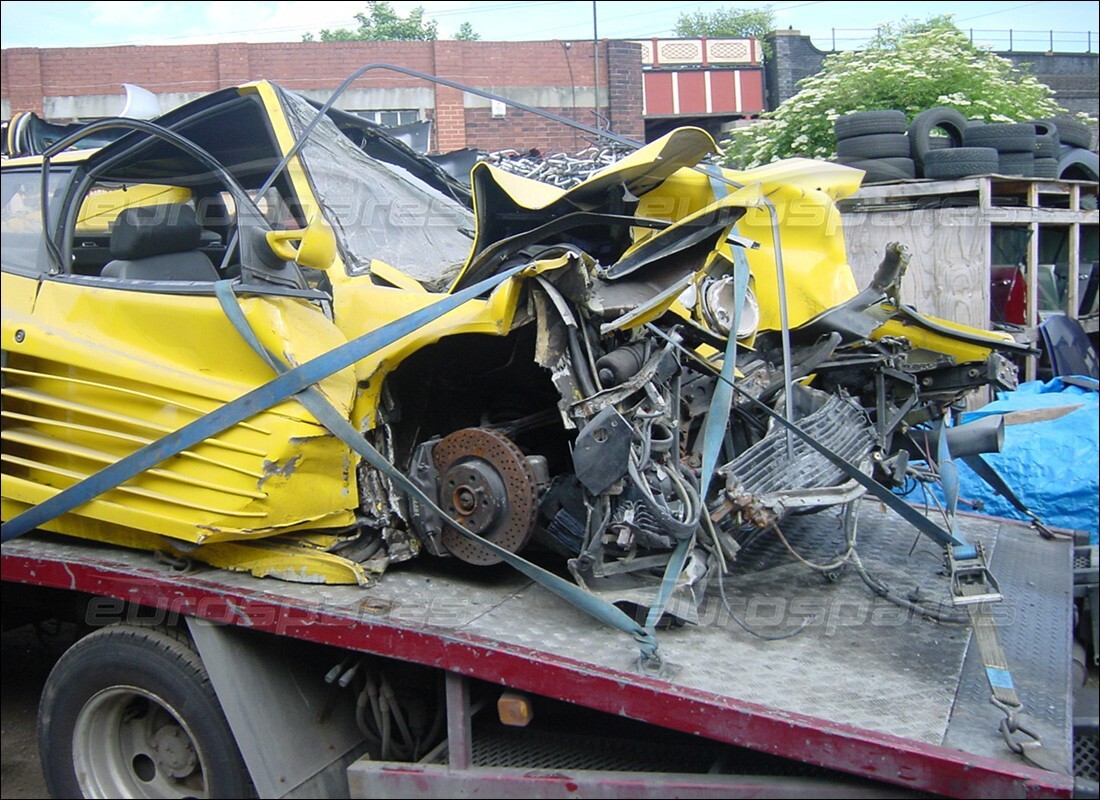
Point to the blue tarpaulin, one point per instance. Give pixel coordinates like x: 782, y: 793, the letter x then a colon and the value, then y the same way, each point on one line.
x: 1049, y: 457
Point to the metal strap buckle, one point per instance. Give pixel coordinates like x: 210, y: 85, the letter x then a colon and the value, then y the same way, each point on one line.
x: 1010, y: 727
x: 971, y: 580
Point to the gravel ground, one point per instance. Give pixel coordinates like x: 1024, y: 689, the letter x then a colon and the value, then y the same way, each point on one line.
x: 26, y: 660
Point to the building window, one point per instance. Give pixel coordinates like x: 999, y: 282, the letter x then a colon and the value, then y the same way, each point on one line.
x: 392, y: 118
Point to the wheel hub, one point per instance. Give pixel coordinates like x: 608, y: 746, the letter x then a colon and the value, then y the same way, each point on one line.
x: 174, y: 750
x: 129, y: 742
x: 486, y: 484
x: 474, y: 494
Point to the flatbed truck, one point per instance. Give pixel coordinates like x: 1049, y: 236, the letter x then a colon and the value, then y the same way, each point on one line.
x: 259, y: 682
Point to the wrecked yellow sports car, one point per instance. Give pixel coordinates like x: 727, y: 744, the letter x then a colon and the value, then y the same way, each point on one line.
x: 268, y: 337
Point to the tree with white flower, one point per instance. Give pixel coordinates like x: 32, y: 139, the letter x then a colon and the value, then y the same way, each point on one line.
x: 910, y: 68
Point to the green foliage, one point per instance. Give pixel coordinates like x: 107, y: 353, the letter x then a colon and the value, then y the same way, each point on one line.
x: 466, y: 33
x: 889, y: 35
x: 729, y: 23
x: 380, y: 23
x: 913, y: 67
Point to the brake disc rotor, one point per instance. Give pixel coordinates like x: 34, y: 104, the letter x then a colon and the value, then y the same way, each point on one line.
x: 486, y: 484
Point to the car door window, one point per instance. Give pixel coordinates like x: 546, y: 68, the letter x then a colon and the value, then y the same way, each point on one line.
x: 21, y: 219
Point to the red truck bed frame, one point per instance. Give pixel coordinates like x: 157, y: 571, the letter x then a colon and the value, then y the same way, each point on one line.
x: 866, y: 690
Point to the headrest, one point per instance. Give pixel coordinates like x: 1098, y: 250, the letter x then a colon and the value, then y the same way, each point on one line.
x: 145, y: 231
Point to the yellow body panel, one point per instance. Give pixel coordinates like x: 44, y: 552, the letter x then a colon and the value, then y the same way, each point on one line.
x: 803, y: 193
x: 924, y: 339
x: 360, y: 306
x: 100, y: 372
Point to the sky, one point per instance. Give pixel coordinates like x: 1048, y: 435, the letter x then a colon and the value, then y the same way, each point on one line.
x: 107, y: 22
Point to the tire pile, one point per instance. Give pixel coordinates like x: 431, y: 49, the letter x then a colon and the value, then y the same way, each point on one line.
x: 942, y: 144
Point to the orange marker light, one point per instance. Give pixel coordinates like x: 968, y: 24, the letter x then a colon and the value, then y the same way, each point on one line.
x: 515, y: 709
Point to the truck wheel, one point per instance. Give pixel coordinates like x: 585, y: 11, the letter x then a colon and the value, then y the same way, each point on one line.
x: 129, y: 711
x: 1078, y: 165
x: 1022, y: 164
x: 1072, y: 132
x: 883, y: 169
x: 1047, y: 140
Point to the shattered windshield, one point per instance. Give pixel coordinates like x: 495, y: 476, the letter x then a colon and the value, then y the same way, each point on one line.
x: 380, y: 211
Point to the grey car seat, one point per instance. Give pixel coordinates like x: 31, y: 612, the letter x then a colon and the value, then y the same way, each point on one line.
x: 158, y: 243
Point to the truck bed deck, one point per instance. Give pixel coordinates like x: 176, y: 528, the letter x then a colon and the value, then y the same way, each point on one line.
x: 866, y: 687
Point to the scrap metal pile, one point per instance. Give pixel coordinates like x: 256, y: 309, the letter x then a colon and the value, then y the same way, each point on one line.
x: 559, y: 169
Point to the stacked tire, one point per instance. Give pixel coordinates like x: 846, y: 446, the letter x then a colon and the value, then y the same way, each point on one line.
x: 1014, y: 143
x: 942, y: 144
x: 1076, y: 161
x: 1048, y: 148
x: 875, y: 142
x: 936, y: 142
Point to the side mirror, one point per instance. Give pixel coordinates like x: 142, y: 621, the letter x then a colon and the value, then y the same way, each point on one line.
x: 313, y: 247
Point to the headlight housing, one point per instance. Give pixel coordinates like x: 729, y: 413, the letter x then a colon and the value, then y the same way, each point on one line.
x: 716, y: 304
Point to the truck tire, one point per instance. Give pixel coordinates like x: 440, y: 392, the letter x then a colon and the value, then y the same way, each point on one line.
x: 941, y: 118
x: 865, y: 123
x: 960, y: 162
x: 1009, y: 137
x: 129, y: 711
x: 875, y: 145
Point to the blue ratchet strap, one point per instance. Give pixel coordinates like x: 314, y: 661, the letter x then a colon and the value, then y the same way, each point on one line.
x: 888, y: 498
x: 984, y: 470
x: 949, y: 477
x: 314, y: 402
x: 949, y: 474
x: 718, y: 185
x: 673, y: 569
x: 242, y: 408
x: 714, y: 430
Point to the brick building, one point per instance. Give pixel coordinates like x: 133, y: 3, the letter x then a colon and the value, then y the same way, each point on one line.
x: 628, y: 87
x: 65, y: 84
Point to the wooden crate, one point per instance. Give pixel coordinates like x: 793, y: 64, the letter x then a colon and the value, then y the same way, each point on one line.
x: 952, y: 228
